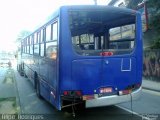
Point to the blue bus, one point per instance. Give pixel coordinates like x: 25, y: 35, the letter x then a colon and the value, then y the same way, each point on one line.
x: 89, y: 54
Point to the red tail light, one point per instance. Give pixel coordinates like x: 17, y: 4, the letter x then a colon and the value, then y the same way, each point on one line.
x: 72, y: 93
x: 78, y: 93
x: 125, y: 92
x: 65, y: 93
x: 106, y: 53
x: 138, y: 85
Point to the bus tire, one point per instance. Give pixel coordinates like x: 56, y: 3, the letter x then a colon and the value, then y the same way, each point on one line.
x: 25, y: 75
x: 20, y: 70
x: 38, y: 89
x: 18, y: 67
x: 35, y: 80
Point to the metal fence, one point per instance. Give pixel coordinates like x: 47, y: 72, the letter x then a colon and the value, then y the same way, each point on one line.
x: 151, y: 64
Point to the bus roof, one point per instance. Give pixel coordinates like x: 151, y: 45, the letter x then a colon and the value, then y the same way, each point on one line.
x: 98, y: 7
x: 110, y: 9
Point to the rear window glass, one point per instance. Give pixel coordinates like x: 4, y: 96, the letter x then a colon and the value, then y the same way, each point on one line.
x: 94, y: 32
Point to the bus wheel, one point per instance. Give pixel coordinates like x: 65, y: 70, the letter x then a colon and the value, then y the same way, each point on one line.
x: 25, y: 75
x: 20, y: 70
x: 38, y: 88
x: 18, y: 67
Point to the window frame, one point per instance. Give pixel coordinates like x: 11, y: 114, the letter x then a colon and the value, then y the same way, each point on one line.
x: 52, y: 35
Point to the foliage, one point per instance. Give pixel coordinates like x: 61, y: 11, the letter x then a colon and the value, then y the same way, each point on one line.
x: 155, y: 20
x: 95, y: 2
x: 22, y: 34
x: 156, y: 43
x: 132, y: 3
x: 155, y: 16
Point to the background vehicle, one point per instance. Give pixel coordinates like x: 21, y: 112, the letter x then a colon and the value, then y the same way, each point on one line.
x: 90, y: 54
x: 6, y: 59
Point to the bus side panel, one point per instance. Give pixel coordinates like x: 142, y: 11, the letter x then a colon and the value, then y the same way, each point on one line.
x: 53, y: 69
x: 139, y: 52
x: 65, y: 55
x: 43, y: 71
x: 53, y: 81
x: 45, y: 90
x: 49, y: 80
x: 28, y: 66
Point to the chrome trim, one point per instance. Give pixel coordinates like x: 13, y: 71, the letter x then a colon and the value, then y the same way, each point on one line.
x: 114, y: 99
x: 130, y: 65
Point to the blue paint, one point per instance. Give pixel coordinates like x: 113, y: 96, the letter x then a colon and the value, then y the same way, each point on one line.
x: 72, y: 71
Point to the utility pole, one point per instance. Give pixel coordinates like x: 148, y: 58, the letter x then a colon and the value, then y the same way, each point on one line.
x: 95, y: 2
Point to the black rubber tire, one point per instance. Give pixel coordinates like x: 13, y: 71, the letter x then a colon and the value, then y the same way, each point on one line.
x: 37, y: 84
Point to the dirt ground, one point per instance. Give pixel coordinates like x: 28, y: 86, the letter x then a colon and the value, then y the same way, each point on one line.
x: 8, y: 105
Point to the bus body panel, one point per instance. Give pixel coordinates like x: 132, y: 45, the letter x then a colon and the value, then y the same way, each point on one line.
x: 48, y: 80
x: 122, y: 71
x: 65, y: 55
x: 113, y: 99
x: 88, y: 74
x: 139, y: 48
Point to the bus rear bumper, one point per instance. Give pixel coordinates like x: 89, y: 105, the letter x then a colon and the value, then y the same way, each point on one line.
x: 114, y: 99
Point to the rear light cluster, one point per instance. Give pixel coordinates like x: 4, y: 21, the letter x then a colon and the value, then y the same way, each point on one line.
x: 72, y: 93
x: 106, y: 53
x: 129, y: 89
x: 137, y: 85
x: 125, y: 92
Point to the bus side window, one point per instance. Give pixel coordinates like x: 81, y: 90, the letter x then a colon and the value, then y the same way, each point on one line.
x: 122, y: 37
x: 31, y: 44
x: 48, y: 33
x: 42, y: 42
x: 36, y: 44
x: 51, y: 40
x: 51, y: 50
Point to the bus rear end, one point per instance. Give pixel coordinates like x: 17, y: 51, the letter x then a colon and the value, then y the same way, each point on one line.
x: 105, y: 63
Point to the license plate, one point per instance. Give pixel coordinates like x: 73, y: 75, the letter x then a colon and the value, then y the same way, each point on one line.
x: 105, y: 90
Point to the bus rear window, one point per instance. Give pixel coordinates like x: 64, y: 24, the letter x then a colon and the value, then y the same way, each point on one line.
x: 122, y: 37
x: 97, y: 31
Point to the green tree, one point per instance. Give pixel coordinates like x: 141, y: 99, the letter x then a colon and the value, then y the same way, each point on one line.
x: 132, y: 3
x: 155, y: 21
x: 95, y: 2
x: 22, y: 34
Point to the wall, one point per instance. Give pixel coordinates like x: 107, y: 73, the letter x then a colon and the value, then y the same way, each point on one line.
x: 151, y: 64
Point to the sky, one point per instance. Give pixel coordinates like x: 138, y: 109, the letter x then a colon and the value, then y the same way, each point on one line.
x: 27, y: 15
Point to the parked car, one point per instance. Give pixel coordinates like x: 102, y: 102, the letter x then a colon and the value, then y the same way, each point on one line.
x: 4, y: 62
